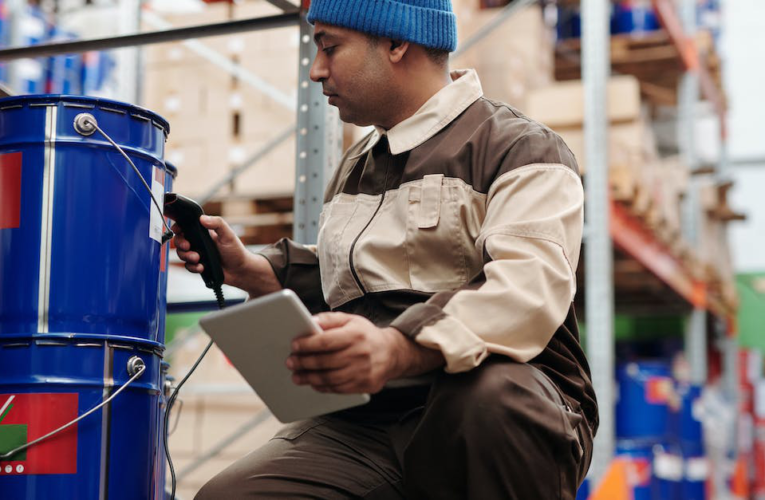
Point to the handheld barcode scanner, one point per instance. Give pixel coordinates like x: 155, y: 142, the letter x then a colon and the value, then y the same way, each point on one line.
x: 186, y: 213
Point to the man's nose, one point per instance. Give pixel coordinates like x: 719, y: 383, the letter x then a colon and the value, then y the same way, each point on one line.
x: 319, y: 70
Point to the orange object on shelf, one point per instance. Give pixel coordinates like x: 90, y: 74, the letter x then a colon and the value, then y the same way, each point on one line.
x: 740, y: 481
x: 615, y: 484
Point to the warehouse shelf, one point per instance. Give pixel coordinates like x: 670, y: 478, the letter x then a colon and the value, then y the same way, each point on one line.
x: 653, y: 278
x: 688, y: 51
x: 632, y: 237
x: 656, y: 59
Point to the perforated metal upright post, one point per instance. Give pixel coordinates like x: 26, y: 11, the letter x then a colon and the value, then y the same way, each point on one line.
x: 688, y: 99
x: 319, y: 144
x: 599, y: 282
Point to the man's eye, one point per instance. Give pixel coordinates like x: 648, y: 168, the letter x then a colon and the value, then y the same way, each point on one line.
x: 328, y: 50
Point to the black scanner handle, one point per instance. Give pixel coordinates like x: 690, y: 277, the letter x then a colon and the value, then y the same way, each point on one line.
x: 186, y: 213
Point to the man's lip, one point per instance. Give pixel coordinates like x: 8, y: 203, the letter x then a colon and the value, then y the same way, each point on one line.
x: 329, y: 94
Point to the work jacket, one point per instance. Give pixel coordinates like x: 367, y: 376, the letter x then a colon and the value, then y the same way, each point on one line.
x: 461, y: 227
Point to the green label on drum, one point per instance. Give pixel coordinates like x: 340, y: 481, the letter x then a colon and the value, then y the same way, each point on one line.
x: 26, y: 417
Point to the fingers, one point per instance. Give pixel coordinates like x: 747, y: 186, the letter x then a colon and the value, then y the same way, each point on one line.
x: 221, y: 231
x: 331, y: 361
x: 350, y: 387
x: 194, y: 268
x: 329, y: 320
x: 327, y: 341
x: 328, y: 378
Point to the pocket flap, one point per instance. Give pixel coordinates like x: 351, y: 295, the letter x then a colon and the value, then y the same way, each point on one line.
x: 430, y: 201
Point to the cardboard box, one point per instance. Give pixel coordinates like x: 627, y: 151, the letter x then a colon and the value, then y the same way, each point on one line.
x: 562, y: 104
x: 628, y: 144
x: 516, y: 57
x: 274, y: 174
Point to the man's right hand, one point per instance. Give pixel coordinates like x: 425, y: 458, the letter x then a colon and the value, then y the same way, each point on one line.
x: 241, y: 268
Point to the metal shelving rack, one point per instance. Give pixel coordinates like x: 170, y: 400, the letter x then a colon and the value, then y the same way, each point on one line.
x: 599, y: 283
x: 608, y: 223
x: 319, y: 133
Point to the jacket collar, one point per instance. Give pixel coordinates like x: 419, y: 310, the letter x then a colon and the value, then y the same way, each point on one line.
x: 437, y: 112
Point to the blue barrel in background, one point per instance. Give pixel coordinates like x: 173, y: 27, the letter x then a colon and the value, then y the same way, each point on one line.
x: 82, y: 291
x: 639, y: 457
x: 687, y: 432
x: 583, y: 493
x: 696, y: 471
x: 642, y: 411
x: 668, y: 471
x: 634, y: 16
x: 686, y: 421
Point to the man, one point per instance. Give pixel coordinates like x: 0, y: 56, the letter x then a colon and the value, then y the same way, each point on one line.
x: 443, y: 279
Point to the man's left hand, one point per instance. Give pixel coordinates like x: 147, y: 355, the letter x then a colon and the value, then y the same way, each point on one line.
x: 352, y: 355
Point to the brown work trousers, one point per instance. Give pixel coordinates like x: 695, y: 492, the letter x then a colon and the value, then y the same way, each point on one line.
x: 500, y: 431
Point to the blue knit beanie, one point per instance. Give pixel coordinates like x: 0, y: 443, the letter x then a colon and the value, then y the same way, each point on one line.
x: 425, y: 22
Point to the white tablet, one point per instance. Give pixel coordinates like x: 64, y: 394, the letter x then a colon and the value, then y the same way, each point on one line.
x: 256, y: 337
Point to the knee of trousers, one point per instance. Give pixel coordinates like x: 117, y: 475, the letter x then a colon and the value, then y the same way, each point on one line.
x: 214, y: 489
x: 499, y: 394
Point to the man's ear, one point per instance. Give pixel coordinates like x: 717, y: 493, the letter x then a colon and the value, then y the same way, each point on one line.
x: 397, y: 50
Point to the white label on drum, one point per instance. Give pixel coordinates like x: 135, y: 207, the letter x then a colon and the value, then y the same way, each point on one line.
x: 697, y: 469
x: 156, y: 227
x: 668, y: 466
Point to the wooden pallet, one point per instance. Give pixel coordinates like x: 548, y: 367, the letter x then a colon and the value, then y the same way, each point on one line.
x: 651, y: 58
x: 257, y: 221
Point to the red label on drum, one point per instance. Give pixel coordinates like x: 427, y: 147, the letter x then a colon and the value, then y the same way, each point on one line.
x: 658, y: 390
x: 10, y: 190
x: 26, y: 417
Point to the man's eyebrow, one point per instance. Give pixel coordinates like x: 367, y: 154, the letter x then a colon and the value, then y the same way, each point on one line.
x: 322, y: 35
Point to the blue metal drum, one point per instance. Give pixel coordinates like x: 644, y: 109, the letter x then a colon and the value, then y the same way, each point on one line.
x: 114, y: 453
x: 696, y: 471
x: 642, y: 411
x: 79, y: 258
x: 668, y: 471
x: 583, y: 493
x: 639, y: 457
x: 82, y: 292
x: 687, y: 420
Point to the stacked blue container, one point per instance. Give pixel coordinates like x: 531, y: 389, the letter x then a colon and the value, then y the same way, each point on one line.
x: 687, y: 430
x: 635, y: 17
x: 642, y: 424
x: 64, y: 73
x: 97, y: 68
x: 30, y: 73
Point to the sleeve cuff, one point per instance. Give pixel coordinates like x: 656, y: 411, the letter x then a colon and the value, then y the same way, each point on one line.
x: 416, y: 317
x: 430, y: 326
x: 297, y: 268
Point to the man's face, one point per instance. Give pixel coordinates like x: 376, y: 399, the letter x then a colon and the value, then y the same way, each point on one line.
x: 354, y: 73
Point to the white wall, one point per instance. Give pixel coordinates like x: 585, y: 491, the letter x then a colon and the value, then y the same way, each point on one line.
x: 744, y: 75
x: 747, y: 238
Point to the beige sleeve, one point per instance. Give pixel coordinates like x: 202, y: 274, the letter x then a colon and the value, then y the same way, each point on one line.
x: 531, y: 239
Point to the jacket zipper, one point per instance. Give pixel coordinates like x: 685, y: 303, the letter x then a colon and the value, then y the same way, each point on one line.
x: 353, y: 245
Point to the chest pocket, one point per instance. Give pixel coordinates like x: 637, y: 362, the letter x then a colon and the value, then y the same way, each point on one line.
x: 340, y: 222
x: 436, y: 240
